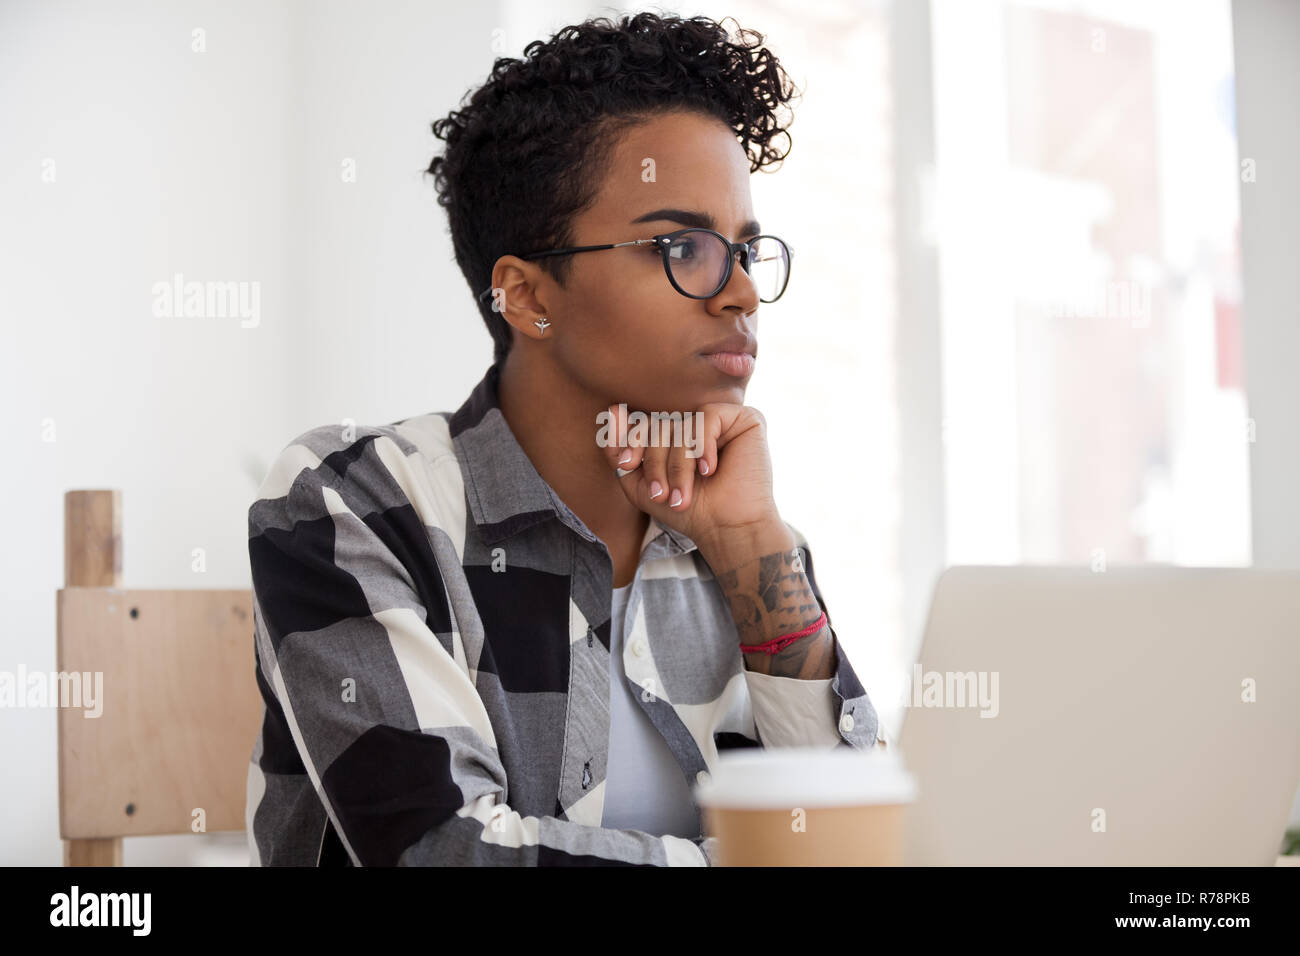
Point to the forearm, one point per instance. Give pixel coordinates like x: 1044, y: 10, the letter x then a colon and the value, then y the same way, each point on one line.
x: 762, y: 577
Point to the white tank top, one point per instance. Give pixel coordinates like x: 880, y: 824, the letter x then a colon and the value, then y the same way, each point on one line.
x: 645, y: 788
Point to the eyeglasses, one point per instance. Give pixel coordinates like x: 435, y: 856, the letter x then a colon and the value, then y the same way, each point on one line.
x: 699, y: 262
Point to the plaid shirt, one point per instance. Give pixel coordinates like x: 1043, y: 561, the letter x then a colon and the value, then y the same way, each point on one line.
x: 432, y: 649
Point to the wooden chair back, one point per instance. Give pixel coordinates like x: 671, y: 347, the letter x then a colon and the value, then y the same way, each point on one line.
x: 169, y: 751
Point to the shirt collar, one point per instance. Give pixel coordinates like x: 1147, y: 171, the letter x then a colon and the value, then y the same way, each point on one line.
x: 506, y: 494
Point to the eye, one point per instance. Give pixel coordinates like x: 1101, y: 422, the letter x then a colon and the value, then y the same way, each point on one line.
x: 683, y: 248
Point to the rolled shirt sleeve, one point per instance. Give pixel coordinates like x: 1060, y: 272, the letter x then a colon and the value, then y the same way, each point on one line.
x: 831, y: 712
x: 793, y: 713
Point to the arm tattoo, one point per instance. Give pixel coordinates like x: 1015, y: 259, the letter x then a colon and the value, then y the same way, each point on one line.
x: 769, y: 597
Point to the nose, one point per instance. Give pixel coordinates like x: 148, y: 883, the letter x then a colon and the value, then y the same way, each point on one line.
x: 751, y: 291
x: 744, y: 252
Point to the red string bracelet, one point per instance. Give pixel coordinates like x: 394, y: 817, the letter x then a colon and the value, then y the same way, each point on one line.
x: 779, y: 643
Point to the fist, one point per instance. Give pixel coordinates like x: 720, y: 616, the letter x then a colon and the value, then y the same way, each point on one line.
x: 707, y: 478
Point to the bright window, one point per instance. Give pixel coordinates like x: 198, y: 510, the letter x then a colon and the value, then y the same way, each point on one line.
x: 1087, y: 218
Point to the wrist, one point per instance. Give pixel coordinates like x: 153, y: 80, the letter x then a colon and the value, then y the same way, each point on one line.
x: 734, y: 547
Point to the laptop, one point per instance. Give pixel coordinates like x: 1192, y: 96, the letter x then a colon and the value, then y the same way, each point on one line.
x: 1138, y: 716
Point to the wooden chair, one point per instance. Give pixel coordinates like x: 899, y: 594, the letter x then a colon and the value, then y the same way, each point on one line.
x: 169, y: 753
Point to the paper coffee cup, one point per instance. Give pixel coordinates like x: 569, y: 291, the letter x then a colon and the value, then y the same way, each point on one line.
x: 800, y: 806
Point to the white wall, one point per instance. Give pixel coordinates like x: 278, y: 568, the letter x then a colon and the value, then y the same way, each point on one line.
x: 1266, y: 42
x: 224, y: 166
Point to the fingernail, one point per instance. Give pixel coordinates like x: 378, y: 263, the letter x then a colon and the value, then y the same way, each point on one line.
x: 656, y: 489
x: 627, y: 456
x: 676, y: 499
x: 704, y: 467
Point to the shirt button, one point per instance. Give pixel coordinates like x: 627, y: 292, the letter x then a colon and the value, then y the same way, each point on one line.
x: 702, y: 777
x: 638, y: 647
x: 846, y: 723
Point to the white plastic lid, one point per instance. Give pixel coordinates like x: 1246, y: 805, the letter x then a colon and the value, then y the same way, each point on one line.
x: 782, y: 777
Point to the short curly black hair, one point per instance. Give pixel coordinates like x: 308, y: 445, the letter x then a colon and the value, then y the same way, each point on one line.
x: 527, y: 152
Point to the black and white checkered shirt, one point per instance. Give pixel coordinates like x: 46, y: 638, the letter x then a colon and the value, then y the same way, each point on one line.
x: 432, y: 649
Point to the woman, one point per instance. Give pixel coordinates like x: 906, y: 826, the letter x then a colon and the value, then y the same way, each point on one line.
x: 521, y: 632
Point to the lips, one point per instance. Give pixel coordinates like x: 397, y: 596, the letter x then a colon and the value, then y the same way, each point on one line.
x: 736, y: 364
x: 738, y: 343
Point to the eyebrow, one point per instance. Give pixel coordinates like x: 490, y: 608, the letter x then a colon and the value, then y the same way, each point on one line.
x: 691, y: 217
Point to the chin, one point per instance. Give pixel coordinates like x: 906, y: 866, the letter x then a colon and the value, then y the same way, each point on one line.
x: 731, y: 394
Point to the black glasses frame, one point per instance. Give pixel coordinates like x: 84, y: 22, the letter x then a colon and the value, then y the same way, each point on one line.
x: 665, y: 240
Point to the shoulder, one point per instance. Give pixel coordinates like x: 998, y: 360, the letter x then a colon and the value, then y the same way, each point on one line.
x: 358, y: 468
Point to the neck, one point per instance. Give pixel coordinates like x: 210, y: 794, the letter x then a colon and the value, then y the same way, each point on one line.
x: 554, y: 420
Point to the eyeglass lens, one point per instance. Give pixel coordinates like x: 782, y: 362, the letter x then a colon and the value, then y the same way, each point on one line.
x: 698, y: 261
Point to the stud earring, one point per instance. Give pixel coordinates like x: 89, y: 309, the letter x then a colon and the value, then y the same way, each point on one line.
x: 542, y: 324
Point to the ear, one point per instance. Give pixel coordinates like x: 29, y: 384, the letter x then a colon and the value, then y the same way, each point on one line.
x: 516, y: 295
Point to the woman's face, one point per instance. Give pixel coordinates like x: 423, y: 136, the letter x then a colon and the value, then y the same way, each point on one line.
x: 620, y: 328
